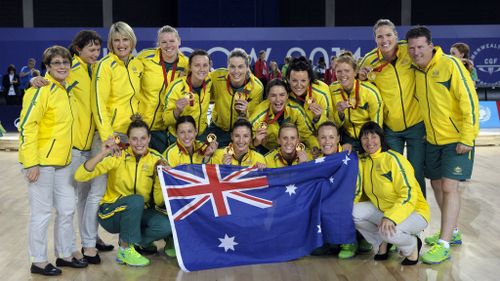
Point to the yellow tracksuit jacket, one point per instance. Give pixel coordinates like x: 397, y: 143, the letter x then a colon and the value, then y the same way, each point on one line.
x: 320, y: 93
x: 224, y: 115
x: 178, y: 90
x: 390, y: 184
x: 153, y: 88
x: 294, y: 114
x: 177, y: 155
x: 114, y: 89
x: 368, y: 108
x: 127, y: 175
x: 274, y: 159
x: 80, y: 83
x: 251, y: 158
x: 448, y: 100
x: 396, y: 83
x: 46, y: 124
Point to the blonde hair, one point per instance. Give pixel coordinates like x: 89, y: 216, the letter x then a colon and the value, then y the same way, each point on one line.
x: 167, y: 29
x: 124, y: 30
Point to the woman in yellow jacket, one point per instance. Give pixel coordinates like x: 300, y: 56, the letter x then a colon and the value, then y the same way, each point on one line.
x: 162, y: 65
x: 238, y: 152
x: 127, y: 207
x: 356, y: 102
x: 45, y: 152
x: 188, y: 150
x: 311, y: 94
x: 290, y: 151
x: 397, y: 211
x: 236, y: 93
x: 277, y: 110
x: 189, y: 96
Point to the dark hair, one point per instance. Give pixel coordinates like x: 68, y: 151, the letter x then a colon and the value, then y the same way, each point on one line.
x: 11, y: 67
x: 84, y: 38
x: 300, y: 64
x: 198, y: 52
x: 328, y: 124
x: 242, y: 122
x: 54, y: 51
x: 419, y: 31
x: 137, y: 122
x: 288, y: 125
x: 462, y: 48
x: 371, y: 127
x: 276, y: 82
x: 185, y: 119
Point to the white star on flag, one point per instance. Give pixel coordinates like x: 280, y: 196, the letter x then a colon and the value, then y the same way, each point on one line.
x: 319, y: 160
x: 319, y: 228
x: 290, y: 189
x: 332, y: 179
x: 227, y: 243
x: 346, y: 159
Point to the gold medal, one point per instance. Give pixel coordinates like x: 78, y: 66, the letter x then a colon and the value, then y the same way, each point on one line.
x: 211, y: 138
x: 263, y: 125
x: 372, y: 75
x: 229, y: 149
x: 309, y: 101
x: 300, y: 147
x: 239, y: 96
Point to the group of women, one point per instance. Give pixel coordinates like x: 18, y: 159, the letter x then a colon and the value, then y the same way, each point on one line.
x: 151, y: 109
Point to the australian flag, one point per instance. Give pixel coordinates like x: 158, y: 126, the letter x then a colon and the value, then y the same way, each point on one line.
x: 229, y: 215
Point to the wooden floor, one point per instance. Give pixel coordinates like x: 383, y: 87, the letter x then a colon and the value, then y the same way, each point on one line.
x: 477, y: 259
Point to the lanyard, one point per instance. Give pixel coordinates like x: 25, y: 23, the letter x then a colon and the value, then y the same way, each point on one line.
x: 356, y: 95
x: 165, y: 72
x: 203, y: 85
x: 275, y: 117
x: 382, y: 66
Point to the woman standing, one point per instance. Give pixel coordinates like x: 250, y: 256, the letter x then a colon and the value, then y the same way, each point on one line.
x: 162, y: 65
x: 397, y: 210
x: 189, y: 96
x: 356, y: 102
x: 45, y: 153
x: 115, y: 84
x: 236, y: 93
x: 10, y: 83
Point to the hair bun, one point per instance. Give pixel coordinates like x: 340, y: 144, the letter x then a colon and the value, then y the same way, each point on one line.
x: 136, y: 117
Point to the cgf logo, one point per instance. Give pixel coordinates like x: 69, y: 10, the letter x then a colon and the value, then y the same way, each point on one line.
x: 487, y: 62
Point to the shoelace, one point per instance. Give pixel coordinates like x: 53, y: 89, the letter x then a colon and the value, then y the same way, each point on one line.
x: 131, y: 250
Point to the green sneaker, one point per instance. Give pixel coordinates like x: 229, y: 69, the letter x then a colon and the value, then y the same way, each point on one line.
x: 149, y: 249
x: 130, y: 256
x: 347, y: 251
x: 169, y: 247
x: 438, y: 253
x: 364, y: 246
x: 456, y: 238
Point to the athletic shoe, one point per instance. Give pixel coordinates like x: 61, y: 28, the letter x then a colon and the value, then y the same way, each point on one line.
x: 130, y: 256
x: 364, y: 246
x: 347, y: 251
x: 169, y: 247
x: 436, y: 254
x: 149, y: 249
x: 456, y: 238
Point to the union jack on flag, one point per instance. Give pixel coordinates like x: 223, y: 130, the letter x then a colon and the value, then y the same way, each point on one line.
x: 224, y: 215
x: 214, y: 188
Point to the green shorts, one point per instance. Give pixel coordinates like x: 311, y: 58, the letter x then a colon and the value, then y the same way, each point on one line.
x: 442, y: 161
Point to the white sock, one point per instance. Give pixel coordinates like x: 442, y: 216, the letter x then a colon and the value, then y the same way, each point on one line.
x: 455, y: 230
x: 446, y: 244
